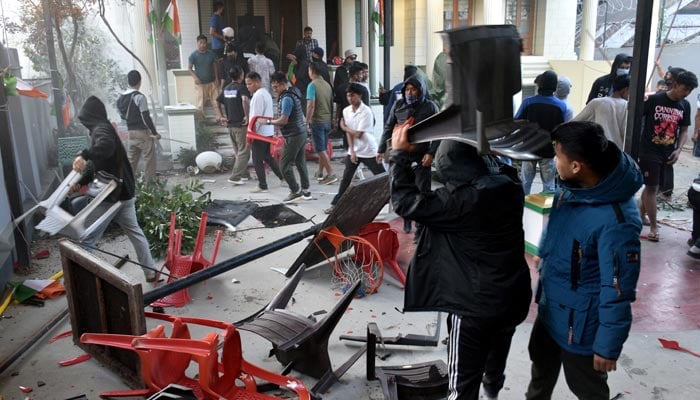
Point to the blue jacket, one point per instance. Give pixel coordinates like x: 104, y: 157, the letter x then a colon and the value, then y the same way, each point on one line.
x: 590, y: 263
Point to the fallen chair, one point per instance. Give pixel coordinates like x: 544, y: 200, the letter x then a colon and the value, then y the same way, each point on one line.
x: 298, y: 342
x: 420, y: 381
x: 403, y: 340
x: 218, y: 377
x: 154, y: 376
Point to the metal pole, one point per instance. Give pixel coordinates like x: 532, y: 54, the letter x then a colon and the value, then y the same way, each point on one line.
x: 388, y: 22
x: 642, y: 33
x: 605, y: 24
x: 227, y: 265
x: 7, y: 151
x: 161, y: 65
x: 53, y: 66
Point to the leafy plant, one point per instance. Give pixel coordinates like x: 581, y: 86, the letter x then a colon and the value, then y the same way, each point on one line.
x: 155, y: 203
x: 206, y: 139
x: 187, y: 156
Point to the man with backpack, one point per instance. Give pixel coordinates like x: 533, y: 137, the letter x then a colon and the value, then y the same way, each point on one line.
x: 133, y: 108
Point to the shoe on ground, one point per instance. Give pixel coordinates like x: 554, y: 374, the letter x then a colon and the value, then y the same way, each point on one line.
x: 306, y: 195
x: 238, y: 181
x: 259, y: 190
x: 318, y: 175
x: 292, y: 197
x: 329, y: 210
x: 245, y: 178
x: 694, y: 252
x: 329, y: 179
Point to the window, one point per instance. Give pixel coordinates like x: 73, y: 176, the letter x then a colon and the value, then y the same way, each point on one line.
x: 457, y: 14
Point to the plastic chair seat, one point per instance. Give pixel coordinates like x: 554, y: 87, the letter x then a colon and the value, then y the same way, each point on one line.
x: 417, y: 381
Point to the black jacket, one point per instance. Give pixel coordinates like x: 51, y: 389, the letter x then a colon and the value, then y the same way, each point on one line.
x: 401, y: 111
x: 470, y: 257
x: 602, y: 87
x: 295, y: 124
x: 106, y: 152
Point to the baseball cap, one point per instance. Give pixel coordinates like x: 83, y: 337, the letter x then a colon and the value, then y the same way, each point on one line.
x: 350, y: 53
x: 318, y: 51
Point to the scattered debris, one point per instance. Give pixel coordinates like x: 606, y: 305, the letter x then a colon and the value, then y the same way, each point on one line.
x: 25, y: 389
x: 41, y: 255
x: 73, y: 361
x: 234, y: 280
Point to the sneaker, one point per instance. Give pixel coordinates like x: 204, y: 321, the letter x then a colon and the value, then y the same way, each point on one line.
x: 318, y: 175
x: 694, y: 252
x: 328, y: 210
x: 329, y: 179
x: 292, y: 197
x: 306, y: 195
x: 259, y: 190
x: 238, y: 181
x: 245, y: 179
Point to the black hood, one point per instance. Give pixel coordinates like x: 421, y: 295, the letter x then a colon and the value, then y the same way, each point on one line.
x: 93, y: 112
x: 415, y: 81
x: 459, y: 162
x: 619, y: 59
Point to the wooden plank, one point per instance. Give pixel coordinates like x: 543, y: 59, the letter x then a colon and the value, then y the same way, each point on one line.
x: 102, y: 299
x: 359, y: 205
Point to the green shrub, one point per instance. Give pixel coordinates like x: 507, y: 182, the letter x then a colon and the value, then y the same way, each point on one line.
x: 154, y: 203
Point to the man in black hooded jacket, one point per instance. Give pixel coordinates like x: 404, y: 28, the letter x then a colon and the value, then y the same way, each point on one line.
x: 602, y: 87
x: 414, y: 103
x: 469, y: 261
x: 106, y: 153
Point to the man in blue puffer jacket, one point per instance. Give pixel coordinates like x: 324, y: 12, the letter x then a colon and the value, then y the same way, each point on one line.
x: 589, y: 265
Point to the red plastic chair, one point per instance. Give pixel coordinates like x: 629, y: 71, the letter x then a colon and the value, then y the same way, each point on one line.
x: 386, y: 241
x: 277, y: 143
x: 182, y: 265
x: 217, y: 379
x: 154, y: 375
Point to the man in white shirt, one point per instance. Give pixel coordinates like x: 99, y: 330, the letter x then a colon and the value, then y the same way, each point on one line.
x: 610, y: 112
x: 262, y: 65
x: 357, y: 122
x: 261, y: 105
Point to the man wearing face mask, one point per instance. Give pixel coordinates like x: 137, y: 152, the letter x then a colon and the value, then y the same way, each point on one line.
x: 603, y: 86
x: 413, y: 103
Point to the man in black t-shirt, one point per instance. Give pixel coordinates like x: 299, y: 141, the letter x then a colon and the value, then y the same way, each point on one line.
x: 666, y: 121
x: 236, y: 101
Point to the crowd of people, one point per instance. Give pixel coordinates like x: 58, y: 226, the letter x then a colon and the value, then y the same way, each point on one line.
x: 469, y: 259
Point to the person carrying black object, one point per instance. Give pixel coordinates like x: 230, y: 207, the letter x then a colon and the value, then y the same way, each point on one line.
x: 133, y: 107
x: 602, y: 86
x: 106, y: 153
x: 413, y: 104
x: 588, y: 266
x: 469, y: 260
x: 236, y: 101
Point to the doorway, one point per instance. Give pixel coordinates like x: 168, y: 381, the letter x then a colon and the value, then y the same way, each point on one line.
x: 521, y: 13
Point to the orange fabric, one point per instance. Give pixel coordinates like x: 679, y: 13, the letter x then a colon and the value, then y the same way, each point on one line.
x: 52, y: 291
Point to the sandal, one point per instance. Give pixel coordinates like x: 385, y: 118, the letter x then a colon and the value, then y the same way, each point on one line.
x: 150, y: 278
x: 653, y: 236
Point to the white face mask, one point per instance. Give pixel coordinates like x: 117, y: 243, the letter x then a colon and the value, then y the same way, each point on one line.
x: 622, y: 71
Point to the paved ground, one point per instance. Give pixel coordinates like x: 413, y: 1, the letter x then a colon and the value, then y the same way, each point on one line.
x: 668, y: 307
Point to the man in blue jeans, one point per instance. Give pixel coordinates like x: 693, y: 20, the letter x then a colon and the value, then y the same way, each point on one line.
x: 291, y: 123
x: 319, y: 108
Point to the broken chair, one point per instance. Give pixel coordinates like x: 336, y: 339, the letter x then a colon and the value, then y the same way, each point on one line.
x: 153, y: 374
x: 298, y: 342
x: 406, y: 382
x: 218, y: 377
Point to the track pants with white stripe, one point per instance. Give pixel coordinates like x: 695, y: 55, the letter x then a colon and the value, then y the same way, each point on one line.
x: 476, y: 353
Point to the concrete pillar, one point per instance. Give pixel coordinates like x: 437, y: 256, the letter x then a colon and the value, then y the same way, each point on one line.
x: 434, y: 23
x: 588, y: 30
x: 653, y: 38
x: 144, y: 50
x: 494, y: 12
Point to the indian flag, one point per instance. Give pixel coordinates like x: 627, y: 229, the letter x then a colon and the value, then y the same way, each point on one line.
x: 378, y: 18
x: 171, y: 21
x: 151, y: 17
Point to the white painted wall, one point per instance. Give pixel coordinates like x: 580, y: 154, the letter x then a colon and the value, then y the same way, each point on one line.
x: 556, y: 28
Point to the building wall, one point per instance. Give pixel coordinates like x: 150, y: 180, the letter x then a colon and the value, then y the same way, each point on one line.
x: 555, y: 29
x: 190, y: 26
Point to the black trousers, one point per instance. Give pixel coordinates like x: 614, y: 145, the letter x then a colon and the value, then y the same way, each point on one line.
x: 261, y: 155
x: 694, y: 200
x: 349, y: 172
x: 547, y: 358
x: 476, y: 353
